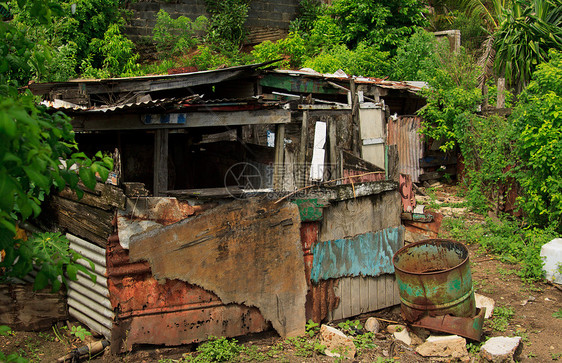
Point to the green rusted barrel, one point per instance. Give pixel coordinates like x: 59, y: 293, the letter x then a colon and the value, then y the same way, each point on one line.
x: 434, y: 279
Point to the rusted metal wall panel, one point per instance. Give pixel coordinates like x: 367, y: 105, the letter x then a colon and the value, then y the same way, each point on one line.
x: 404, y: 133
x: 320, y: 298
x: 88, y: 301
x: 171, y: 313
x: 246, y: 251
x: 358, y: 295
x: 367, y: 254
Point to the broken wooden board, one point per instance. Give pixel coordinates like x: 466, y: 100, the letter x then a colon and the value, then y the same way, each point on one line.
x: 104, y: 196
x: 87, y: 222
x: 367, y: 254
x: 21, y: 308
x: 247, y: 252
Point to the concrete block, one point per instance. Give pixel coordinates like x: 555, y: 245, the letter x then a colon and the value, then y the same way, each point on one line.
x: 443, y: 346
x: 336, y: 341
x: 501, y: 349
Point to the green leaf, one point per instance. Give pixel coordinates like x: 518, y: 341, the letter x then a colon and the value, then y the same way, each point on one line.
x: 71, y: 270
x: 7, y: 191
x: 5, y: 330
x: 41, y: 280
x: 88, y: 178
x: 36, y: 177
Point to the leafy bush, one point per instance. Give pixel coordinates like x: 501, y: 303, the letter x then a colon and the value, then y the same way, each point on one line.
x: 416, y: 59
x: 452, y: 99
x: 177, y: 36
x: 119, y: 57
x: 292, y: 49
x: 383, y: 23
x: 538, y: 120
x: 226, y: 29
x: 365, y: 60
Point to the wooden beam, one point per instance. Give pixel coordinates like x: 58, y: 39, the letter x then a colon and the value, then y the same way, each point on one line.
x: 279, y: 151
x: 100, y: 122
x: 298, y: 84
x: 332, y: 149
x: 160, y: 162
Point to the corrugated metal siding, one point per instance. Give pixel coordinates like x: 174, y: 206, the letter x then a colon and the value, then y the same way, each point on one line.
x: 404, y: 133
x: 358, y: 295
x: 88, y: 301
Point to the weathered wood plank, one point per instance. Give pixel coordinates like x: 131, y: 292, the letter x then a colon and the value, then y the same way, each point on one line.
x: 298, y: 84
x: 161, y: 150
x: 278, y: 170
x: 21, y: 308
x: 104, y: 196
x: 246, y: 252
x: 361, y: 215
x: 94, y: 121
x: 87, y: 222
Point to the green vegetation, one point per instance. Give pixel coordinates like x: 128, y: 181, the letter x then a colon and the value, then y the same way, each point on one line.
x: 508, y: 239
x: 502, y: 316
x: 557, y: 314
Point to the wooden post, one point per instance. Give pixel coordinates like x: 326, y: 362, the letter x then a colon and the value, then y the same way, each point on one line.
x: 356, y: 138
x: 333, y: 149
x: 160, y: 162
x: 501, y: 93
x: 279, y: 166
x: 302, y: 169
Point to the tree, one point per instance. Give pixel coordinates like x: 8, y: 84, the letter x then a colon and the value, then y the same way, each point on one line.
x: 525, y: 34
x: 37, y: 153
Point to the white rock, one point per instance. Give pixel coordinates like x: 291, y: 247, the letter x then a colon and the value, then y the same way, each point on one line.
x: 392, y: 328
x: 443, y: 346
x: 485, y: 302
x: 373, y: 325
x: 501, y: 349
x: 403, y: 336
x: 336, y: 342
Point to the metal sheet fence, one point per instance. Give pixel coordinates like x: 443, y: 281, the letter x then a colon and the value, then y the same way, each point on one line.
x: 404, y: 133
x: 88, y: 301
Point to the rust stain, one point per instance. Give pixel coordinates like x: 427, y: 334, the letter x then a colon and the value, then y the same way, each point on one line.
x: 321, y: 297
x: 179, y: 312
x: 245, y: 252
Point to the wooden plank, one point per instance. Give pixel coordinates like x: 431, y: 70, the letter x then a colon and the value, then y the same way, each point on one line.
x: 247, y: 251
x: 160, y: 172
x: 278, y: 170
x: 373, y: 294
x: 24, y: 309
x: 381, y: 293
x: 355, y: 296
x: 104, y: 196
x: 90, y: 223
x: 99, y: 122
x: 302, y: 148
x: 353, y: 162
x: 393, y: 163
x: 346, y: 298
x: 324, y: 107
x: 363, y: 294
x: 298, y: 84
x: 332, y: 147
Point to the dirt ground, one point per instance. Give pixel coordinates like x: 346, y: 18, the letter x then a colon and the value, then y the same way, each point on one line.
x: 533, y: 320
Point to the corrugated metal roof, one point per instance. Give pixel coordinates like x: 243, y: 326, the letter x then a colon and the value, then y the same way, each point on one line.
x: 341, y: 75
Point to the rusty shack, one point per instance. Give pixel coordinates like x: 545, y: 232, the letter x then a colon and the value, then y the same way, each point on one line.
x: 242, y: 199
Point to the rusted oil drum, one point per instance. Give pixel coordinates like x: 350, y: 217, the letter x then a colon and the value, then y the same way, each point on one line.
x: 434, y: 279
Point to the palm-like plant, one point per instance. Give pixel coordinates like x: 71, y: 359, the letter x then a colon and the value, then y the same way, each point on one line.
x: 526, y: 32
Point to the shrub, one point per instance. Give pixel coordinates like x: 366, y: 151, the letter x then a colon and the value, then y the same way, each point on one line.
x: 177, y: 36
x: 365, y: 60
x: 292, y: 49
x: 538, y: 120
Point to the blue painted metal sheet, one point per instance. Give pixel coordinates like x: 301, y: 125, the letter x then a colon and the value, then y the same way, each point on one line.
x: 367, y: 254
